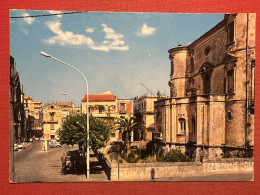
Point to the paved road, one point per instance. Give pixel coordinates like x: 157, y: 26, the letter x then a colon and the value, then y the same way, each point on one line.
x: 35, y: 165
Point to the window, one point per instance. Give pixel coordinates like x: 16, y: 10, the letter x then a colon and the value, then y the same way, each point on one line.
x: 52, y: 116
x: 159, y: 122
x: 52, y: 126
x: 122, y: 108
x: 207, y: 50
x: 194, y: 129
x: 191, y: 64
x: 100, y: 109
x: 253, y: 63
x: 172, y: 67
x: 231, y: 32
x: 206, y: 87
x: 229, y: 116
x: 89, y: 109
x: 230, y: 81
x: 182, y: 126
x: 52, y: 136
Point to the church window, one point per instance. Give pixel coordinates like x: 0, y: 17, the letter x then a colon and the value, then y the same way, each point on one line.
x: 230, y: 81
x: 206, y: 87
x: 194, y: 128
x: 231, y: 32
x: 159, y: 122
x: 182, y: 126
x: 191, y: 64
x: 229, y: 116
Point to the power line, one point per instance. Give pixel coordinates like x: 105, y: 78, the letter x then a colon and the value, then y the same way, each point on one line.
x: 147, y: 89
x: 45, y: 15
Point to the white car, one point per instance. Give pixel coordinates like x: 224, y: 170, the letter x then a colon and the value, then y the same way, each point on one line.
x: 36, y: 139
x: 54, y: 144
x: 15, y: 147
x: 21, y: 146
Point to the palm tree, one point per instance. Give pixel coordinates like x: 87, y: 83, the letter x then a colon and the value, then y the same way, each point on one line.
x: 127, y: 126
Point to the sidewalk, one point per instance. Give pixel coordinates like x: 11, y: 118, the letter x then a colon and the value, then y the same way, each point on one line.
x: 96, y: 172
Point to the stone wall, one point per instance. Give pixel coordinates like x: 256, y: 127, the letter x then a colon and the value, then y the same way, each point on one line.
x: 148, y: 171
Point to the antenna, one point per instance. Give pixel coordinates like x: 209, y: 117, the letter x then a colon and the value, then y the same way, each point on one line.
x: 147, y: 89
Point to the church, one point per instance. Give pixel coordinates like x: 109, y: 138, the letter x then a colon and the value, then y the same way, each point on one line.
x: 210, y: 111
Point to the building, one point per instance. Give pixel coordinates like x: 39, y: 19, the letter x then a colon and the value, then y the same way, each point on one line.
x: 144, y: 110
x: 108, y: 107
x: 17, y: 114
x: 211, y: 106
x: 33, y: 113
x: 53, y: 116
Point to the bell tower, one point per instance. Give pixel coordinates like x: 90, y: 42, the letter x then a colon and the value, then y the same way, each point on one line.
x: 177, y: 83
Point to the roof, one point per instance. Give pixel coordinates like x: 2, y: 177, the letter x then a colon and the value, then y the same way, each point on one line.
x: 99, y: 98
x: 64, y: 103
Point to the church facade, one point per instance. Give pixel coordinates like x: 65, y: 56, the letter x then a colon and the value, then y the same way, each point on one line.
x: 210, y: 111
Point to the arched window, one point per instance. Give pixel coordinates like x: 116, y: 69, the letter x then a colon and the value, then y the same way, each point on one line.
x: 182, y: 126
x: 206, y: 84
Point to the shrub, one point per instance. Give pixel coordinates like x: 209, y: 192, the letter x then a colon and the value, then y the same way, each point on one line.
x: 174, y: 156
x: 149, y: 159
x: 132, y: 158
x: 113, y: 155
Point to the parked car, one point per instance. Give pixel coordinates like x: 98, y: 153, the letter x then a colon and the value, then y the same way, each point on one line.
x: 31, y: 140
x: 72, y: 161
x: 15, y: 147
x: 21, y: 146
x: 58, y: 144
x: 54, y: 144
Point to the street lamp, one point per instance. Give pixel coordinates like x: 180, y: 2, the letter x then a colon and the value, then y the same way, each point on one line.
x: 63, y: 93
x: 49, y: 56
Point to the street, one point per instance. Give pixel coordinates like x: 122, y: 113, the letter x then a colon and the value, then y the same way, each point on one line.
x: 34, y: 165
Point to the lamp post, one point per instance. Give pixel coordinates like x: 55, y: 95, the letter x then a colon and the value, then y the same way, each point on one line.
x: 87, y: 141
x: 63, y: 93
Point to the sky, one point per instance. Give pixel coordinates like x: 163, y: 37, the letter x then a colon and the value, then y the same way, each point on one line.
x: 120, y: 52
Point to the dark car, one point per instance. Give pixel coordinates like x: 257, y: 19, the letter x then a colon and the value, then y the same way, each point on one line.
x: 72, y: 162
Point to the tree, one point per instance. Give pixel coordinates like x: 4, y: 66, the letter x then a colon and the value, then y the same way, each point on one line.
x: 127, y: 126
x: 139, y: 131
x: 74, y: 131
